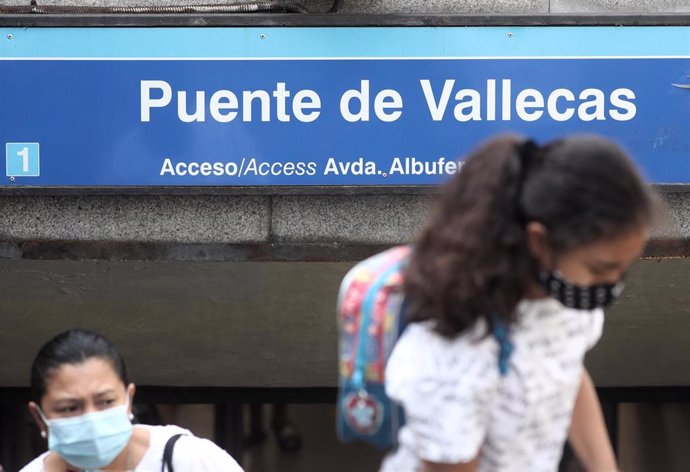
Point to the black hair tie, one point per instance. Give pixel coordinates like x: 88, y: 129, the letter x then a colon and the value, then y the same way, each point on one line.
x: 527, y: 152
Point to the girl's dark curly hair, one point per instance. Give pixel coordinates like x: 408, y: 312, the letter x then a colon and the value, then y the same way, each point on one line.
x: 471, y: 260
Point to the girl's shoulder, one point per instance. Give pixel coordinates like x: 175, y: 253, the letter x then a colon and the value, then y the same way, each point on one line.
x: 446, y: 387
x: 423, y: 355
x: 423, y: 342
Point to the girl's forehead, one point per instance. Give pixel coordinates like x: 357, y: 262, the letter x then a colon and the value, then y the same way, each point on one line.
x: 617, y: 249
x: 84, y: 379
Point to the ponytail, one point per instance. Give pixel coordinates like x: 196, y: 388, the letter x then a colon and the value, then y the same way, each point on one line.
x: 471, y: 259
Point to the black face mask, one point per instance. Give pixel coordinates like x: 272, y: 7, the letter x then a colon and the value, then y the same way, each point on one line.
x: 580, y: 297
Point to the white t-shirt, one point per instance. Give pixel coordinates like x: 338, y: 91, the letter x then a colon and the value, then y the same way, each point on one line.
x: 457, y: 405
x: 191, y: 454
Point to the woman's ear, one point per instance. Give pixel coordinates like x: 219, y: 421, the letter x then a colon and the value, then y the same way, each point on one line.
x: 33, y: 409
x: 131, y: 390
x: 538, y: 244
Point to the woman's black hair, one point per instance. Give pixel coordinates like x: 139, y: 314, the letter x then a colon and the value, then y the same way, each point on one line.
x: 471, y: 261
x: 74, y: 346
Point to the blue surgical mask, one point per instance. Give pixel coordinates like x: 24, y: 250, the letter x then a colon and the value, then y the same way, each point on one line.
x: 580, y: 297
x: 90, y: 441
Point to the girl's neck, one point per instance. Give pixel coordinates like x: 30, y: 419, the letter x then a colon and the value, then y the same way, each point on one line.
x: 535, y: 292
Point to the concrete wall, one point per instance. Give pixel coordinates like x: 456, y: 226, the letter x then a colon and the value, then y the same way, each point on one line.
x: 430, y: 6
x: 365, y: 219
x: 272, y: 324
x: 157, y: 310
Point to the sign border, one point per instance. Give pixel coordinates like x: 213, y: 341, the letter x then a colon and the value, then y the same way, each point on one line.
x: 311, y: 20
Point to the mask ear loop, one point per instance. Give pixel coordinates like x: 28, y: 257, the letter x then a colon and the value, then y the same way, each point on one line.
x: 40, y: 413
x: 44, y: 434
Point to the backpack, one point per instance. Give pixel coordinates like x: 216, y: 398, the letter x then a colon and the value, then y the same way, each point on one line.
x: 370, y: 307
x: 370, y: 310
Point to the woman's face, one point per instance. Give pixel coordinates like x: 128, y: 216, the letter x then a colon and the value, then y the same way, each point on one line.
x: 78, y: 389
x: 600, y: 262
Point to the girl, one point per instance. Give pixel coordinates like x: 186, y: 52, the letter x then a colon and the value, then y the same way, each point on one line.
x: 82, y: 402
x: 506, y: 286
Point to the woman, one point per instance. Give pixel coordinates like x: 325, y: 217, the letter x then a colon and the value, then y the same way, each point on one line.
x: 82, y: 403
x: 506, y: 286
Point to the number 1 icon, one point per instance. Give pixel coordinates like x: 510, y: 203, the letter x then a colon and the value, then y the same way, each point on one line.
x: 22, y: 160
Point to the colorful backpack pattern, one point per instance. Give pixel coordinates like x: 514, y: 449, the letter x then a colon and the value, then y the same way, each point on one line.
x: 370, y: 306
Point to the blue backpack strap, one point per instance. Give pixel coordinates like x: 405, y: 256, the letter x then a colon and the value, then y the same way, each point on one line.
x: 506, y: 347
x: 402, y: 319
